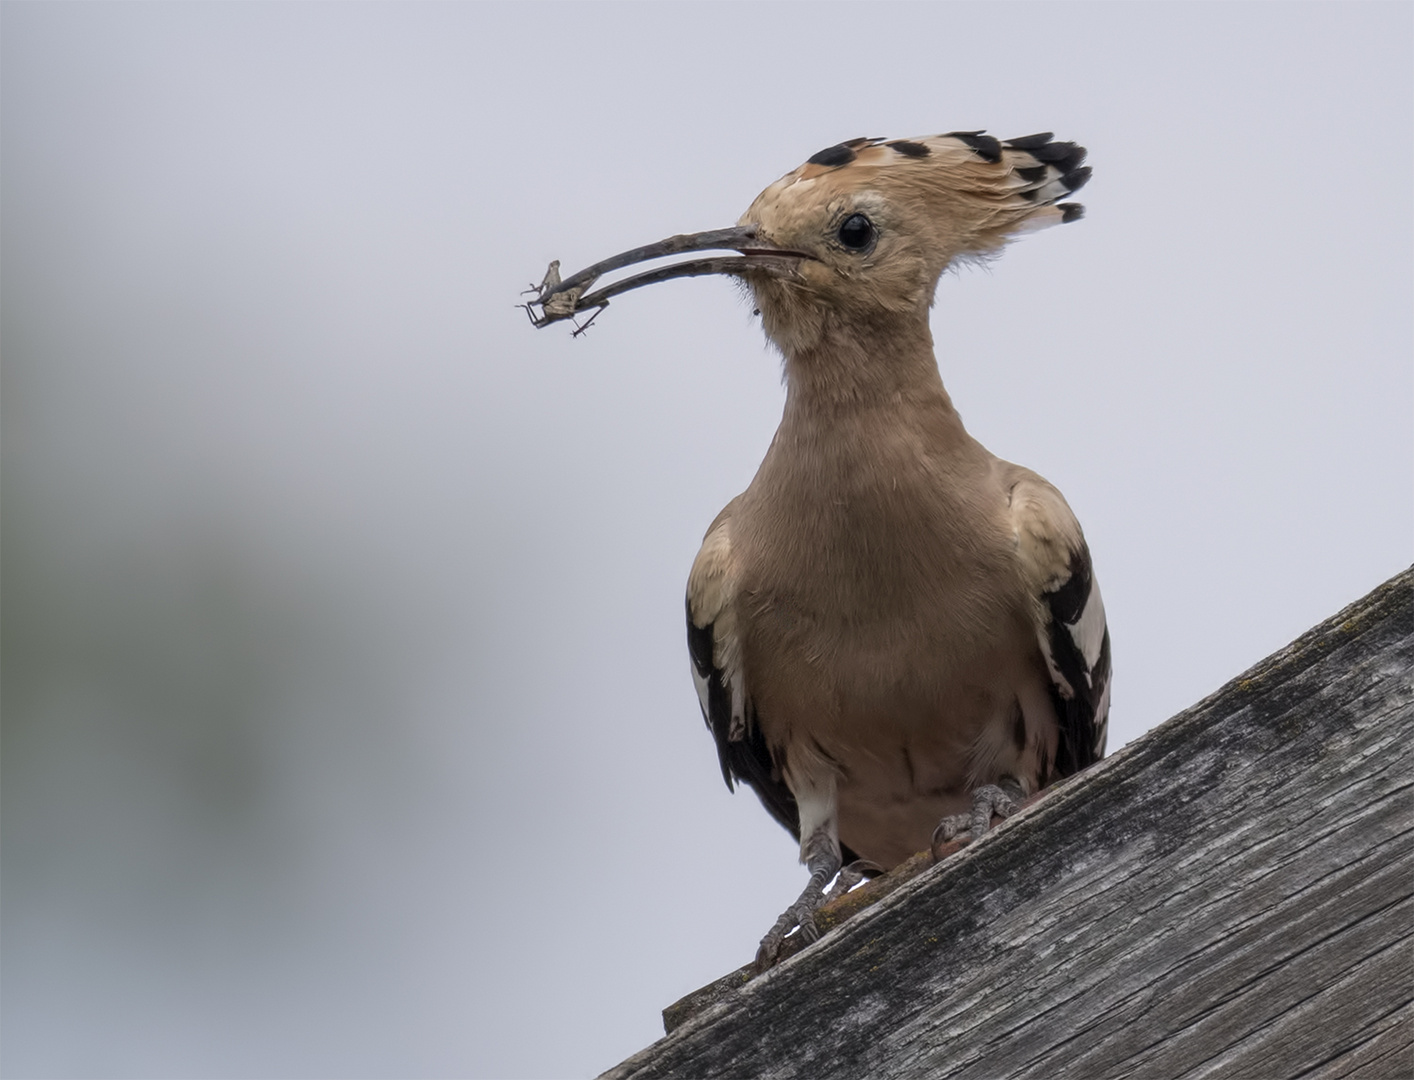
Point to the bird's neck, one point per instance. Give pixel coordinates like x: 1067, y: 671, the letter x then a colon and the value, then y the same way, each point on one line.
x: 869, y: 471
x: 862, y: 366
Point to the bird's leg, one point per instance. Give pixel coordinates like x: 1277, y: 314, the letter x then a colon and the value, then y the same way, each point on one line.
x: 1001, y: 798
x: 822, y: 858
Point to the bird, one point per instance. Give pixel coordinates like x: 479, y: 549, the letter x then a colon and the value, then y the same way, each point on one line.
x: 894, y: 634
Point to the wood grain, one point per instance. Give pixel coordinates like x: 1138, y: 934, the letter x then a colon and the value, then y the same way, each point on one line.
x: 1231, y: 895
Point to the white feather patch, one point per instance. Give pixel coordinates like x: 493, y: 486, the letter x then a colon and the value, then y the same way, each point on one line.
x: 1089, y: 633
x: 701, y: 684
x: 1062, y: 683
x: 819, y: 809
x: 737, y: 730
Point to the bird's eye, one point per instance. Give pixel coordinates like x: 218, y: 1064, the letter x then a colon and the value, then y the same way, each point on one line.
x: 857, y: 232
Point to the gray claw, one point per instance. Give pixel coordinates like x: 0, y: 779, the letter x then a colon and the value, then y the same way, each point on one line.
x: 987, y: 800
x: 849, y: 877
x: 823, y: 861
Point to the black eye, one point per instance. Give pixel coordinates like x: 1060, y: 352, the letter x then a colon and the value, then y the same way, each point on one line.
x: 857, y: 232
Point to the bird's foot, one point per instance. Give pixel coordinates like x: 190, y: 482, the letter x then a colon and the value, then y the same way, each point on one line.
x: 823, y: 860
x: 801, y: 914
x: 987, y: 800
x: 849, y: 877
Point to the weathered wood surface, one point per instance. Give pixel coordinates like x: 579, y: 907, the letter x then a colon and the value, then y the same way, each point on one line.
x: 1230, y: 896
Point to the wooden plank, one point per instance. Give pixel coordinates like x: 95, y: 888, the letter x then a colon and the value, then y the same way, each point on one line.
x: 1385, y: 1051
x: 1231, y: 895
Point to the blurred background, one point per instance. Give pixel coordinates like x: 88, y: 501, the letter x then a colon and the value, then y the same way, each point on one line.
x: 347, y: 721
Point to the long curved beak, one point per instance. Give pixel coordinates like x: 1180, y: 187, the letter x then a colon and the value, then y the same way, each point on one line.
x: 558, y: 298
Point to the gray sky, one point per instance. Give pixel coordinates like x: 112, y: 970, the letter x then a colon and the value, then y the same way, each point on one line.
x: 348, y: 727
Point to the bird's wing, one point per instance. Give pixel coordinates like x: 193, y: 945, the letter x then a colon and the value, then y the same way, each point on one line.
x: 1069, y: 616
x: 715, y: 648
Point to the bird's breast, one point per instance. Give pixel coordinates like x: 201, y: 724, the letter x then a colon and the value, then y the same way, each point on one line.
x: 874, y: 583
x: 885, y: 624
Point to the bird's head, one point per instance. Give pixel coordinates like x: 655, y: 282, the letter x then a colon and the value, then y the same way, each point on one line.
x: 880, y: 221
x: 859, y: 234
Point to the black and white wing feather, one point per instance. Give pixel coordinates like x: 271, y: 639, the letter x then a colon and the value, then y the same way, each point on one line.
x: 1070, y: 619
x: 715, y: 650
x: 1076, y: 642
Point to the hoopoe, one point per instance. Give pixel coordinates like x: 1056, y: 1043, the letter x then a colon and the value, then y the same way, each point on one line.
x: 894, y: 634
